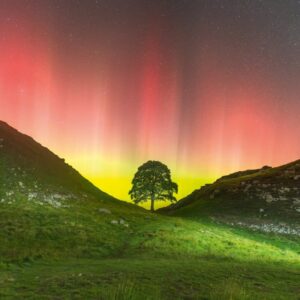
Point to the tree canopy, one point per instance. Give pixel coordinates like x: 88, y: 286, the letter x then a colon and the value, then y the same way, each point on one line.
x: 152, y: 181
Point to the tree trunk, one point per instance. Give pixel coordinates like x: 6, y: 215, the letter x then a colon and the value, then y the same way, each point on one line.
x: 152, y: 203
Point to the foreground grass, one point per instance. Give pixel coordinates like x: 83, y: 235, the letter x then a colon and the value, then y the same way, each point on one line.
x: 79, y: 253
x: 149, y: 279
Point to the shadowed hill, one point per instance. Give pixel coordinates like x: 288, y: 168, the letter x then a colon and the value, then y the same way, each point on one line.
x: 267, y: 193
x: 28, y: 168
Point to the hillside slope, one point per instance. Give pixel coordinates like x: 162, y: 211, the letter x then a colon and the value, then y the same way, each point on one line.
x: 48, y: 209
x: 28, y: 168
x: 263, y: 194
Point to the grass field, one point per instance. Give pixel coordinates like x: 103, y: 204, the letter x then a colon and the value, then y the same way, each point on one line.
x: 103, y: 250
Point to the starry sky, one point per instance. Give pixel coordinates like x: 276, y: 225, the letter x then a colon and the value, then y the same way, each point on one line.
x: 206, y: 86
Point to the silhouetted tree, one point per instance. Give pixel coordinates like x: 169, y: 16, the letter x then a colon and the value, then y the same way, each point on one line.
x: 152, y: 181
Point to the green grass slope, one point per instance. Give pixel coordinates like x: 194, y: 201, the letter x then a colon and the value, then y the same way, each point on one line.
x: 81, y: 254
x: 42, y: 200
x: 61, y: 238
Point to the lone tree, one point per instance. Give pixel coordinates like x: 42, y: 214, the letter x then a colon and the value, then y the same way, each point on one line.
x: 152, y: 181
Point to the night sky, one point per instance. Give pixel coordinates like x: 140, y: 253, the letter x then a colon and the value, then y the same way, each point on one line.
x: 207, y: 87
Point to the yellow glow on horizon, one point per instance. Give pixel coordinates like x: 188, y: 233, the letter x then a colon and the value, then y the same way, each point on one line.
x: 114, y: 177
x: 119, y: 187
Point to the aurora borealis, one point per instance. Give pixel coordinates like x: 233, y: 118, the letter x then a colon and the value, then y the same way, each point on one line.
x: 207, y: 87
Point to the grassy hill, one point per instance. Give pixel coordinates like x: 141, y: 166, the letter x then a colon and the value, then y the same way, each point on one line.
x: 62, y: 238
x: 48, y: 209
x: 28, y: 168
x: 268, y: 198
